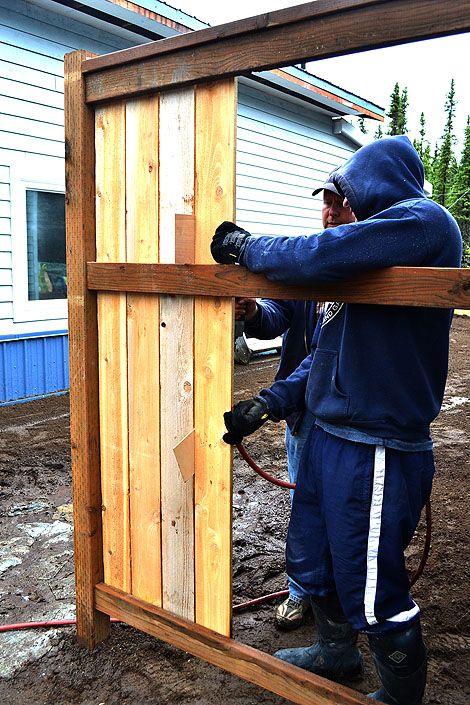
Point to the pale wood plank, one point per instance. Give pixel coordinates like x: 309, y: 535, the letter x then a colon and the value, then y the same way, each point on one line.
x: 92, y: 626
x: 143, y: 326
x: 295, y: 684
x: 112, y: 341
x: 176, y: 354
x: 213, y: 360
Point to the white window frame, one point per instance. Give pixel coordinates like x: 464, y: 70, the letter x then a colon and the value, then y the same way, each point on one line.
x: 24, y: 309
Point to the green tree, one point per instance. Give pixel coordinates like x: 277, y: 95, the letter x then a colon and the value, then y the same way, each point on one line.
x: 379, y: 132
x: 423, y: 147
x: 394, y: 111
x: 362, y: 125
x: 445, y: 163
x: 460, y: 205
x: 402, y: 119
x: 397, y: 112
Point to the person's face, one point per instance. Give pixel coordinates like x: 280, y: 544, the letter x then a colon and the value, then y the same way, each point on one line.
x: 334, y: 211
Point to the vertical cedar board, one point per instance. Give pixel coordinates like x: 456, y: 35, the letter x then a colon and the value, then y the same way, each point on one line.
x: 112, y: 345
x: 176, y: 349
x: 92, y: 626
x: 143, y: 324
x: 213, y: 359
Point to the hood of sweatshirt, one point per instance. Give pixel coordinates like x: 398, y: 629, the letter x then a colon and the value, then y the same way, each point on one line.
x: 380, y: 174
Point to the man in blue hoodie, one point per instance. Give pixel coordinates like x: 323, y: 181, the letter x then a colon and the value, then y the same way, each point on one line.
x: 374, y: 381
x: 296, y: 321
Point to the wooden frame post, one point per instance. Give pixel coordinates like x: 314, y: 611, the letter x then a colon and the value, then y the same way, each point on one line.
x: 92, y: 625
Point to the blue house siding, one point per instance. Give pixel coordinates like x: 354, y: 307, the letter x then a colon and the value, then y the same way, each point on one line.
x: 33, y: 366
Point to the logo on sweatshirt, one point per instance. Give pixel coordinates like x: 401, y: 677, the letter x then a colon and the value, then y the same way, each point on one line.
x: 332, y: 310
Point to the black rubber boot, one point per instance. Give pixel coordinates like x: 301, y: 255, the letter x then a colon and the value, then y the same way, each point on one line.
x: 335, y: 654
x: 400, y: 660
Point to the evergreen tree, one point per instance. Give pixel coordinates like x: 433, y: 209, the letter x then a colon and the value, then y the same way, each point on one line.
x: 362, y: 126
x: 379, y: 132
x: 423, y: 147
x: 394, y: 111
x: 402, y: 119
x: 445, y: 163
x: 460, y: 207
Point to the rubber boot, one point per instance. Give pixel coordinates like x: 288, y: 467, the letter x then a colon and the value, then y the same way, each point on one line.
x: 400, y: 660
x: 335, y: 654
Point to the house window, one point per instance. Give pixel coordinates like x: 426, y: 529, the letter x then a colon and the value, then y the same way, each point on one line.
x: 45, y: 228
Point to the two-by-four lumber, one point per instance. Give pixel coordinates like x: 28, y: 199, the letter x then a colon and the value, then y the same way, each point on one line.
x: 92, y: 626
x: 395, y: 286
x: 295, y: 684
x: 315, y: 30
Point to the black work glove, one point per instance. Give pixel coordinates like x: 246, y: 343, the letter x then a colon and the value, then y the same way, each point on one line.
x: 227, y: 242
x: 246, y: 417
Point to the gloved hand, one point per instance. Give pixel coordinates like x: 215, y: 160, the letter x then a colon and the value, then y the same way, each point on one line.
x: 227, y: 242
x: 246, y: 417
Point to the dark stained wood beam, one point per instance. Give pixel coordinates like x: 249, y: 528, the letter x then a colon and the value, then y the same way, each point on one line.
x: 397, y: 286
x: 295, y: 684
x: 92, y: 626
x: 315, y: 30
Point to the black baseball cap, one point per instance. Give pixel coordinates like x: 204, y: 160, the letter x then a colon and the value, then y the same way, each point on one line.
x: 328, y: 185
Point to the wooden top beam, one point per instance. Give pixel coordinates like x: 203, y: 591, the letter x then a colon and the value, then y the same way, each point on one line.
x: 315, y: 30
x: 398, y: 286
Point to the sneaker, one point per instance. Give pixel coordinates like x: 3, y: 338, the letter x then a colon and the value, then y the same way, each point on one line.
x: 291, y: 613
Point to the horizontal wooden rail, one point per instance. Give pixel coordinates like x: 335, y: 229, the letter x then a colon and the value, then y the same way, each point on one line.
x: 397, y: 286
x: 248, y: 663
x: 315, y: 30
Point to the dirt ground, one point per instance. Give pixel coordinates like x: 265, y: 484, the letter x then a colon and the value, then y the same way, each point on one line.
x: 46, y: 667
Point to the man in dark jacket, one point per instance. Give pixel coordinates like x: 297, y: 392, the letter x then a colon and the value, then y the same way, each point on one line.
x: 374, y: 381
x: 296, y: 321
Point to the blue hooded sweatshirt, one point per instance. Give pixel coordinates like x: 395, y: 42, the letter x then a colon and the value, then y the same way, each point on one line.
x: 374, y: 372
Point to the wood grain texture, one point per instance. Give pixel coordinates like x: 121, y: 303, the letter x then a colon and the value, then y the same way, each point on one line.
x: 294, y: 684
x: 143, y: 326
x: 395, y: 286
x: 213, y: 360
x: 112, y: 346
x: 92, y: 626
x: 315, y: 30
x: 176, y: 351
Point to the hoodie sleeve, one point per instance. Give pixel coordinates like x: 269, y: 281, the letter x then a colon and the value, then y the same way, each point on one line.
x: 273, y: 318
x: 286, y: 396
x: 341, y: 252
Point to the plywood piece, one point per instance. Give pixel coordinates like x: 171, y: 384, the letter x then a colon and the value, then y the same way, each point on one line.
x: 213, y: 360
x: 143, y: 326
x: 184, y: 454
x: 176, y: 352
x: 112, y: 346
x: 92, y: 626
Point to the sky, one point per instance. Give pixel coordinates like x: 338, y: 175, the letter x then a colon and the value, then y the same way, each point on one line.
x: 425, y: 68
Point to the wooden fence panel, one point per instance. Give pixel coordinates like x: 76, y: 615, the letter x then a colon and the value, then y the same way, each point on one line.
x: 213, y: 359
x: 176, y: 354
x: 143, y: 326
x: 112, y: 346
